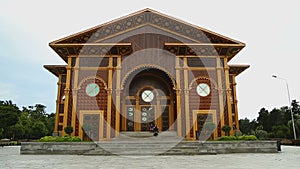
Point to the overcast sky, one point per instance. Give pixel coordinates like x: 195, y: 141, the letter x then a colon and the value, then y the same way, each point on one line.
x: 270, y: 29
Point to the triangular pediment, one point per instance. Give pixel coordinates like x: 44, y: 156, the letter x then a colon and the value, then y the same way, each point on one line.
x: 143, y: 18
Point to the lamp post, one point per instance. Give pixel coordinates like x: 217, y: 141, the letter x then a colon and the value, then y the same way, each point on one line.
x: 292, y: 114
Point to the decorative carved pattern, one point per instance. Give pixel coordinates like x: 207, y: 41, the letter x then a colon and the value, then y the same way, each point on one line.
x: 148, y: 17
x: 64, y: 51
x: 203, y: 50
x: 123, y: 82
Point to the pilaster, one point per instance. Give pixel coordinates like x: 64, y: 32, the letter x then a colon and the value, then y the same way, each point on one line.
x: 186, y: 99
x: 178, y: 98
x: 220, y: 89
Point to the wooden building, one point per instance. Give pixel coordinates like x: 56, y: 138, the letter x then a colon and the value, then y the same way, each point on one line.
x: 146, y: 68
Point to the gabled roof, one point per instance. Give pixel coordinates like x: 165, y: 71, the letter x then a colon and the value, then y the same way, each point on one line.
x: 143, y: 17
x: 95, y: 36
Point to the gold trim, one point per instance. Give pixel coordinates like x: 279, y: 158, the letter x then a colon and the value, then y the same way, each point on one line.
x: 101, y: 122
x: 195, y: 123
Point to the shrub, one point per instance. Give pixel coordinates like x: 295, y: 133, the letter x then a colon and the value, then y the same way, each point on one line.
x: 227, y: 138
x: 237, y: 138
x: 69, y: 130
x: 60, y: 139
x: 226, y: 129
x: 261, y: 134
x: 247, y: 137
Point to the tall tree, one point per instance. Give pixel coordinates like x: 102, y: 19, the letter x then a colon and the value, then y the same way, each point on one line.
x: 264, y: 119
x: 9, y: 113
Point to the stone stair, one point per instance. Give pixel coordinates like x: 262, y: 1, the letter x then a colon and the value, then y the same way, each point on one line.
x: 145, y: 144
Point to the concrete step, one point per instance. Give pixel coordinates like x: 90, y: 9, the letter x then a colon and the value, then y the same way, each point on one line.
x: 144, y: 143
x: 150, y: 147
x: 147, y: 136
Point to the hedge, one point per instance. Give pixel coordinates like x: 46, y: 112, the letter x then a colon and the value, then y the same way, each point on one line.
x: 60, y: 139
x: 238, y: 138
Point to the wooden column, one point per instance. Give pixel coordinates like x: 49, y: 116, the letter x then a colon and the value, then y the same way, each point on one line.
x: 75, y: 89
x: 220, y: 89
x: 118, y: 98
x: 178, y: 98
x: 137, y: 117
x: 171, y: 112
x: 158, y: 113
x: 109, y: 98
x: 58, y: 101
x: 124, y: 116
x: 235, y: 104
x: 228, y: 95
x: 67, y: 95
x: 186, y: 99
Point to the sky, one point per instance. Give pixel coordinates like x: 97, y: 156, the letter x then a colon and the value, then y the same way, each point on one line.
x: 269, y: 28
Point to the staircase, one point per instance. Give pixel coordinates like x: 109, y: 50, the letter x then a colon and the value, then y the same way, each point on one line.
x: 145, y: 144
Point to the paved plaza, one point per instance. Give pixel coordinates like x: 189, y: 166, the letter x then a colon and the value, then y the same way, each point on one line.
x: 289, y: 157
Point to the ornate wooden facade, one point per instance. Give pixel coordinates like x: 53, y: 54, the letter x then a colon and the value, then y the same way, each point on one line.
x: 146, y: 68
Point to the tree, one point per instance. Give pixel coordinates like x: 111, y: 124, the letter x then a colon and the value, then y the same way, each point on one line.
x: 39, y: 129
x: 68, y: 130
x: 226, y: 129
x: 9, y: 113
x: 295, y: 107
x: 26, y: 122
x: 16, y: 132
x: 264, y: 119
x: 248, y: 127
x: 280, y: 131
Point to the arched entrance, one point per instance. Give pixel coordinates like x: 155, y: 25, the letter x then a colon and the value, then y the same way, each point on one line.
x: 148, y: 98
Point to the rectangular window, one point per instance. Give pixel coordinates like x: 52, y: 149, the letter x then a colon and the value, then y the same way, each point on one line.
x: 201, y: 62
x: 94, y: 62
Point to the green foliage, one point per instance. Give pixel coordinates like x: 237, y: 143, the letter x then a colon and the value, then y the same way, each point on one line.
x: 60, y: 139
x: 247, y: 127
x: 68, y: 130
x: 238, y: 133
x: 8, y: 114
x: 247, y: 137
x: 274, y: 124
x: 261, y: 134
x: 226, y: 129
x: 280, y: 131
x: 31, y: 122
x: 238, y: 138
x: 39, y: 129
x: 227, y: 138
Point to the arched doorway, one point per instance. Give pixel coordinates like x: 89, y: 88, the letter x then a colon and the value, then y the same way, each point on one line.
x: 148, y: 98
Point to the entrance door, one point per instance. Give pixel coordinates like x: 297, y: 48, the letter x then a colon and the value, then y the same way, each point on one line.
x: 148, y: 98
x: 147, y: 116
x: 141, y: 118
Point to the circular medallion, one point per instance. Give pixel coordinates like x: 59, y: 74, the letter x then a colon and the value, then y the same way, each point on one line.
x: 203, y: 89
x: 130, y: 124
x: 130, y: 114
x: 144, y: 119
x: 147, y: 96
x: 130, y: 109
x: 92, y: 89
x: 144, y: 114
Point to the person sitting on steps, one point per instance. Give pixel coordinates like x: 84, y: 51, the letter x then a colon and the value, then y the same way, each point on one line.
x: 151, y: 127
x: 155, y: 130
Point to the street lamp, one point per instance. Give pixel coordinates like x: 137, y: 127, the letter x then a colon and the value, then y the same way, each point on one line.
x: 292, y: 114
